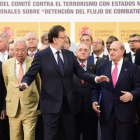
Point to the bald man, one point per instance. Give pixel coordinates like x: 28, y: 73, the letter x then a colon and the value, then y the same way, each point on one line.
x: 118, y: 96
x: 32, y: 43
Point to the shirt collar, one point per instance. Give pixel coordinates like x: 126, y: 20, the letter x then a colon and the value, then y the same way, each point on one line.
x: 4, y: 52
x: 100, y: 56
x: 132, y: 53
x: 54, y: 50
x: 17, y: 62
x: 119, y: 63
x: 33, y: 52
x: 85, y: 63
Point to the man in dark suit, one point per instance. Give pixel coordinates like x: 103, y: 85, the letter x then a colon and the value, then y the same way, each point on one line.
x: 86, y: 118
x: 56, y: 67
x: 98, y: 50
x: 137, y: 58
x: 32, y: 43
x: 109, y: 41
x: 134, y: 44
x: 2, y: 104
x: 136, y: 135
x: 4, y: 41
x: 118, y: 96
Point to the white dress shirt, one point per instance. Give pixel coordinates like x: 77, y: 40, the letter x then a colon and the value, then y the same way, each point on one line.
x: 5, y: 56
x: 55, y: 54
x: 95, y: 57
x: 17, y: 66
x: 119, y: 66
x: 133, y: 56
x: 33, y: 53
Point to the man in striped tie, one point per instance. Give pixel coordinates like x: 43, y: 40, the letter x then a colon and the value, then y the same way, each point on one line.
x: 118, y: 96
x: 32, y: 43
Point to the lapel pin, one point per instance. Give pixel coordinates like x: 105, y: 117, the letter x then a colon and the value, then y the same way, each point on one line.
x: 125, y: 69
x: 105, y: 58
x: 91, y: 68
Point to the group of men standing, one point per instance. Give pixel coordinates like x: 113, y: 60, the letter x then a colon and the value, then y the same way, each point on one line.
x: 68, y: 89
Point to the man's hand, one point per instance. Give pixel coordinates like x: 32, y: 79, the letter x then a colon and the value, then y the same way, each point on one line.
x: 3, y: 115
x: 94, y: 106
x: 22, y: 86
x: 102, y: 78
x: 126, y: 97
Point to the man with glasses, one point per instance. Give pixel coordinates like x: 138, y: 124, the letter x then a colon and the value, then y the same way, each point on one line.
x: 134, y: 44
x: 56, y: 66
x: 106, y: 58
x: 134, y: 56
x: 98, y: 50
x: 117, y: 105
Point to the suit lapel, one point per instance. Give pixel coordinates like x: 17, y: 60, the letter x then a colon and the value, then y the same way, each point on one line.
x: 123, y: 72
x: 28, y: 64
x: 65, y: 60
x: 51, y: 58
x: 12, y: 69
x: 89, y: 68
x: 107, y: 70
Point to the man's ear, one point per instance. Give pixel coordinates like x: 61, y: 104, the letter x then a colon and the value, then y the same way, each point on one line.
x: 54, y: 39
x: 76, y: 53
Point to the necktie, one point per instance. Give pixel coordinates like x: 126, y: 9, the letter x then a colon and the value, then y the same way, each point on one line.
x: 32, y: 54
x: 114, y: 75
x: 82, y: 65
x: 60, y: 63
x: 97, y: 57
x: 20, y: 74
x: 2, y: 57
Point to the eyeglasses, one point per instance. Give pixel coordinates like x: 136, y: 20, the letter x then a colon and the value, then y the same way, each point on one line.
x: 108, y: 43
x: 133, y: 41
x: 65, y: 37
x: 96, y: 43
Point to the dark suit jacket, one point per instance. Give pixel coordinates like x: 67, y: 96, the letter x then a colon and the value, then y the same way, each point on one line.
x: 2, y: 91
x: 128, y: 81
x: 129, y: 58
x: 102, y: 60
x: 82, y: 92
x: 137, y: 58
x: 138, y: 102
x: 91, y: 60
x: 53, y: 84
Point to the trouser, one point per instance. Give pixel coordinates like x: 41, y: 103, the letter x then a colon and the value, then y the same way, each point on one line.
x: 22, y: 127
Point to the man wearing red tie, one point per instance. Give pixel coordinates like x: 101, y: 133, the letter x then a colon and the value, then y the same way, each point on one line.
x: 32, y: 43
x: 86, y: 118
x: 118, y: 96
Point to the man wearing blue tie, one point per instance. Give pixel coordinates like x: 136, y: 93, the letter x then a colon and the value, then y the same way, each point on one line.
x: 118, y: 95
x: 56, y: 67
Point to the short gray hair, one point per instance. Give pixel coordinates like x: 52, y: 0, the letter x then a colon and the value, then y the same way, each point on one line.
x: 5, y: 36
x: 20, y: 39
x: 31, y: 33
x: 122, y: 46
x: 43, y: 36
x: 133, y: 35
x: 83, y: 44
